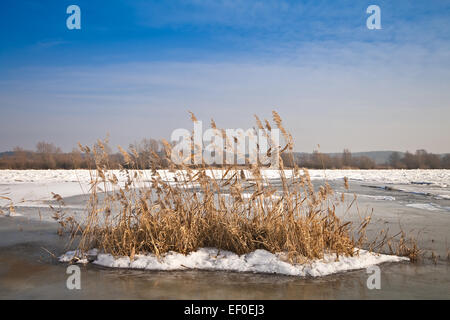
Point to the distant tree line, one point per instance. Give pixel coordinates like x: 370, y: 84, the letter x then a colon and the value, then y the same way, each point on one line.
x: 421, y: 159
x: 149, y: 153
x: 48, y: 156
x: 317, y: 160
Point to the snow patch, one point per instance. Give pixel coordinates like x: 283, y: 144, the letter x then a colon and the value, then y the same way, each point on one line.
x: 382, y: 198
x: 259, y: 261
x: 427, y: 206
x: 439, y: 178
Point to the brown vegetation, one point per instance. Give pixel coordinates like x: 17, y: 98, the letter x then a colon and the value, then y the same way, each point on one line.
x: 233, y: 212
x: 48, y: 156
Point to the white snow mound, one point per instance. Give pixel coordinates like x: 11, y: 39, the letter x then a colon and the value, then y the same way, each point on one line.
x: 259, y: 261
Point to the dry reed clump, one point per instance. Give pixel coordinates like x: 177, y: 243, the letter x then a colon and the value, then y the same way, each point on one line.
x: 10, y: 207
x: 236, y: 211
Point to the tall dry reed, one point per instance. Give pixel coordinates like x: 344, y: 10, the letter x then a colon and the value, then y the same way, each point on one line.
x: 229, y: 209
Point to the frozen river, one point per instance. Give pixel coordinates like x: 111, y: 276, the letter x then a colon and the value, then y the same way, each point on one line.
x: 417, y: 202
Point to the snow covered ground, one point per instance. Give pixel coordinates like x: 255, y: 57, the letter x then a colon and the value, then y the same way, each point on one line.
x: 432, y: 177
x: 35, y: 187
x: 259, y: 261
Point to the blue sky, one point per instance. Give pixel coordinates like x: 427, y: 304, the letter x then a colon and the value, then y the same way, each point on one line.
x: 136, y: 67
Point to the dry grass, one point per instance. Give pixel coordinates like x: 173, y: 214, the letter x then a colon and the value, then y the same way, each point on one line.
x: 150, y: 215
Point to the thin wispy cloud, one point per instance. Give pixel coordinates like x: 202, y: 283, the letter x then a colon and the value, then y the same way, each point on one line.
x: 50, y: 43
